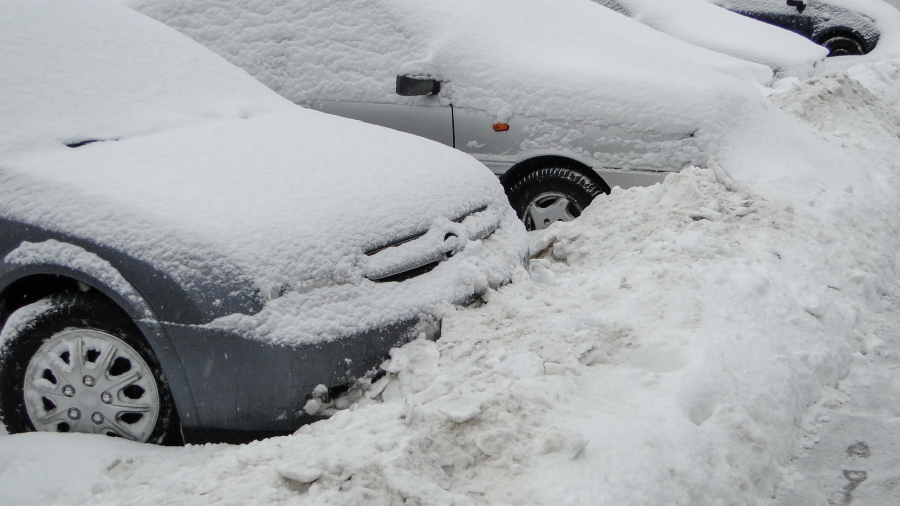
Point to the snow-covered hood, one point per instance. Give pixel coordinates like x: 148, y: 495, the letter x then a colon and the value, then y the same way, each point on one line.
x: 288, y: 196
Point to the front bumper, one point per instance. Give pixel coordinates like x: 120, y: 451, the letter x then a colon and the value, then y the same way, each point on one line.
x: 245, y: 385
x: 255, y: 373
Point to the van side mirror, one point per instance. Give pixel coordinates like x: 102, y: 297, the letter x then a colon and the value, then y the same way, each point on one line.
x: 414, y: 86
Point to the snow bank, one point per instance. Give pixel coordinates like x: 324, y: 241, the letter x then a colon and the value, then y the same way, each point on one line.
x: 706, y: 25
x: 663, y: 351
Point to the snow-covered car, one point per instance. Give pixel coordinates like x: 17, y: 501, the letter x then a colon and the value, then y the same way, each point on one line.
x: 563, y: 100
x: 843, y: 27
x: 706, y: 25
x: 184, y: 253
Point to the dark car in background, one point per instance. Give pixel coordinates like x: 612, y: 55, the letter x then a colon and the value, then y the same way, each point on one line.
x: 842, y: 30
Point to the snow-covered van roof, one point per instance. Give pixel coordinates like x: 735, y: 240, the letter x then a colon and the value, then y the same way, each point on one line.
x: 200, y: 168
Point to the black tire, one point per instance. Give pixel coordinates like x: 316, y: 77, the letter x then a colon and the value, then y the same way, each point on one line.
x: 842, y: 44
x: 76, y: 311
x: 579, y: 189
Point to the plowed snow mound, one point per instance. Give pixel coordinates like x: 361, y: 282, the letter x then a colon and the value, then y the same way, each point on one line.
x: 663, y: 350
x: 844, y: 110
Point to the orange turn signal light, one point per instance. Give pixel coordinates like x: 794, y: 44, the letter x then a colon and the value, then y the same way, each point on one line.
x: 500, y: 127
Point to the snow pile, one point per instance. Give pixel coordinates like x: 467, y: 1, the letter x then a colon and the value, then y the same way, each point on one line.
x: 663, y: 351
x: 706, y: 25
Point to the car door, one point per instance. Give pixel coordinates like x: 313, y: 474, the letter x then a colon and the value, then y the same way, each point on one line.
x: 432, y: 121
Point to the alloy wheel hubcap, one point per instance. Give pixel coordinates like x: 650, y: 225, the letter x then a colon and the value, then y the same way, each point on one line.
x: 89, y: 381
x: 548, y: 208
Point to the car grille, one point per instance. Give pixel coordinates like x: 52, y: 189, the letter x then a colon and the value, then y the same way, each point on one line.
x: 404, y: 259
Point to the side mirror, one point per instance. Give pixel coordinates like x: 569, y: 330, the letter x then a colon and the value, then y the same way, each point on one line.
x: 414, y: 86
x: 799, y: 4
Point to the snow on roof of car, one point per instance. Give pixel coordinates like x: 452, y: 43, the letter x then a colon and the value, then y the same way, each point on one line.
x: 712, y: 27
x: 203, y: 171
x: 567, y: 60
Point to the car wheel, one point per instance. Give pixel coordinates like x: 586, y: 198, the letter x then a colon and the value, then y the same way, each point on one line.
x: 548, y: 195
x: 842, y: 45
x: 70, y: 363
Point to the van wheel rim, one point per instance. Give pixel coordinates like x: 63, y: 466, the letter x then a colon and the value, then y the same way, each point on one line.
x: 548, y: 208
x: 91, y: 382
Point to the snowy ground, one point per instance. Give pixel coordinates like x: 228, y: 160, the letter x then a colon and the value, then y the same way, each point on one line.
x: 848, y: 448
x: 851, y: 451
x: 717, y: 339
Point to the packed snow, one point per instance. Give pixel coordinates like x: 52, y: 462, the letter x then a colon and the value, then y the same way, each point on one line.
x: 685, y: 343
x: 709, y: 26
